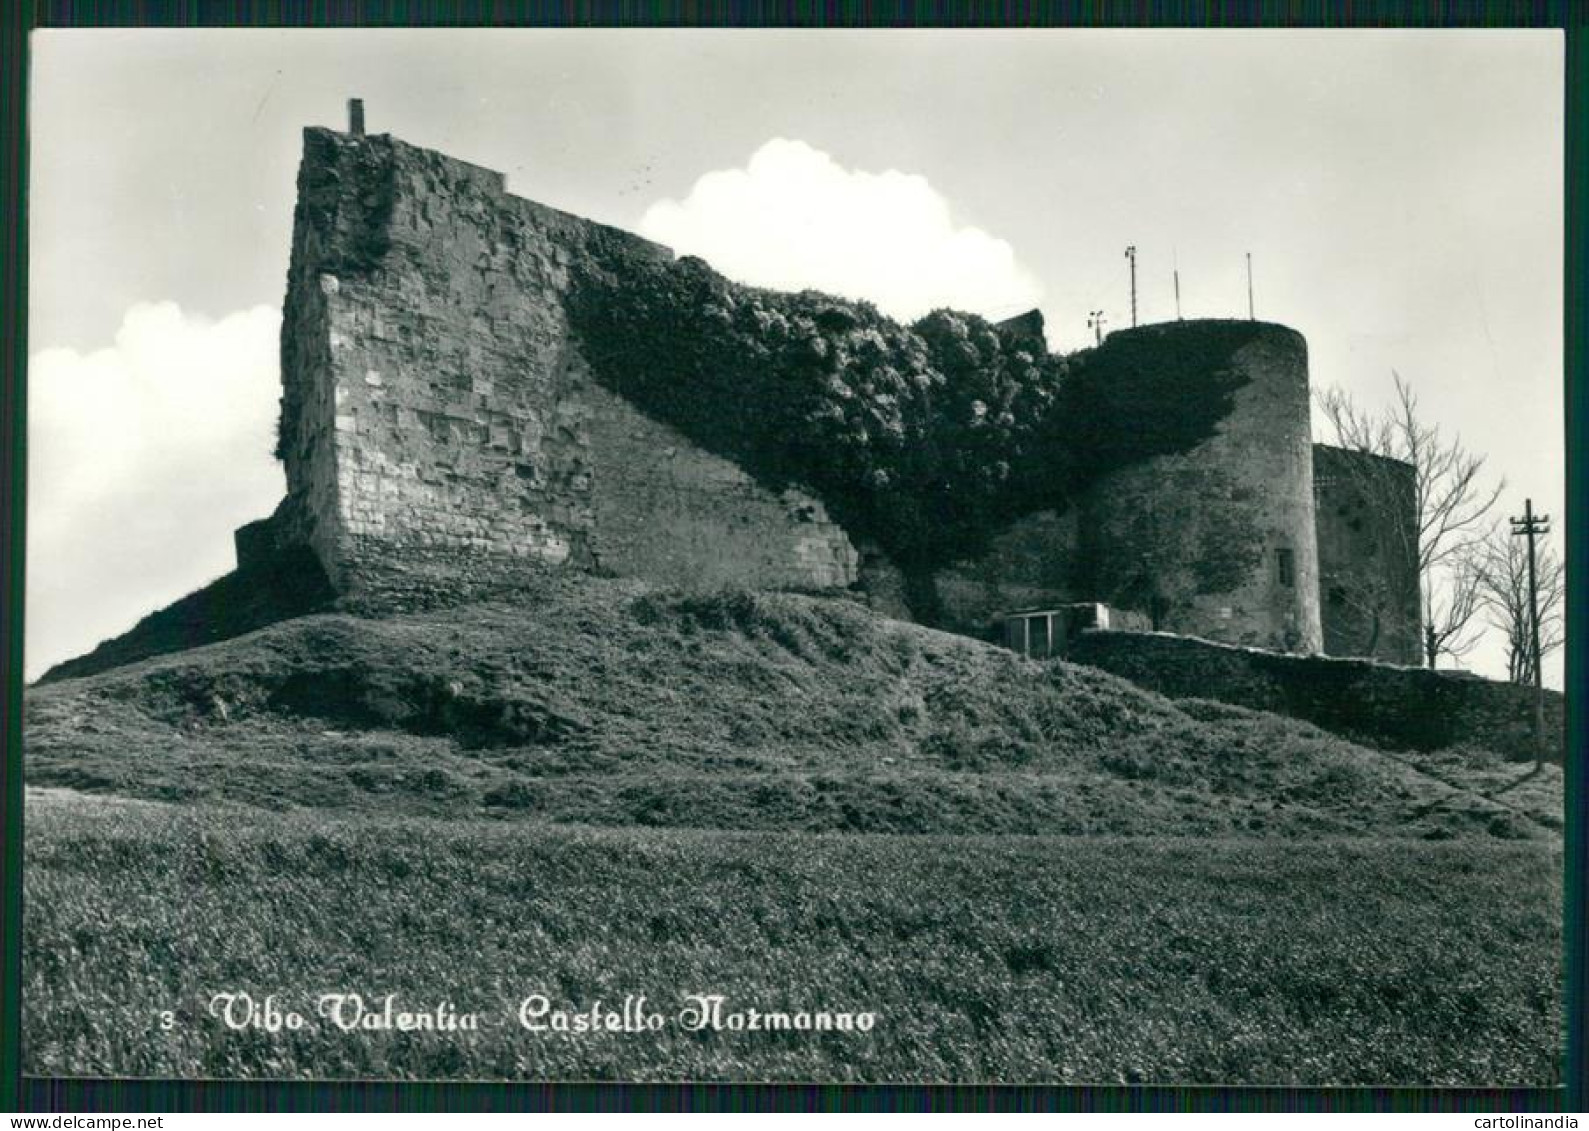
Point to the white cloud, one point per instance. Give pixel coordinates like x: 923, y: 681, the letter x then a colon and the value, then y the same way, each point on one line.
x: 142, y: 459
x: 794, y: 218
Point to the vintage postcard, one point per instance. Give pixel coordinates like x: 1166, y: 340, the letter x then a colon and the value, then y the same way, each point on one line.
x: 909, y: 557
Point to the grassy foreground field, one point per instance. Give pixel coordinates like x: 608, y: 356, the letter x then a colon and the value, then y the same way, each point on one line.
x: 984, y: 958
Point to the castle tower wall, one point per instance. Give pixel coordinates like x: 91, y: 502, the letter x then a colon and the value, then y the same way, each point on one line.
x: 1367, y: 508
x: 1219, y: 541
x: 439, y: 421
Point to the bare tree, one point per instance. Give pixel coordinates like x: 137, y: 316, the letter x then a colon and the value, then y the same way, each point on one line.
x: 1450, y: 504
x: 1451, y: 624
x: 1506, y: 600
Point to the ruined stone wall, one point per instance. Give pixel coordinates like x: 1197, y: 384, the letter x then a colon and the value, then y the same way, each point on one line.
x: 440, y: 422
x: 1196, y: 540
x: 1367, y: 508
x: 672, y: 512
x: 437, y: 415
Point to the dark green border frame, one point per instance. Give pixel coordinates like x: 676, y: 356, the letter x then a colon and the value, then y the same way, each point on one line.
x: 20, y: 17
x: 13, y: 467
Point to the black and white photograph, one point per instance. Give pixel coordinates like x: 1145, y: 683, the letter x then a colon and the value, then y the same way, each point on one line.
x: 903, y: 557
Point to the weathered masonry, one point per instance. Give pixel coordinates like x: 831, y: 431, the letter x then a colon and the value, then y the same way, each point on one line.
x: 1218, y: 542
x: 440, y: 425
x: 1256, y: 536
x: 1367, y: 511
x: 439, y: 421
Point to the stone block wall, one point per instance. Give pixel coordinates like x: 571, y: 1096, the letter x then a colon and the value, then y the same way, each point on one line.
x: 1385, y: 705
x: 1367, y: 509
x: 437, y: 414
x: 673, y: 512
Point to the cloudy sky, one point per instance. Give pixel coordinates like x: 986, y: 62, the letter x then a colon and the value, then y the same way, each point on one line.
x: 1400, y: 193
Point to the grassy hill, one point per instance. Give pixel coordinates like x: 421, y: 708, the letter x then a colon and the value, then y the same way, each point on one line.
x: 606, y: 703
x: 1028, y: 872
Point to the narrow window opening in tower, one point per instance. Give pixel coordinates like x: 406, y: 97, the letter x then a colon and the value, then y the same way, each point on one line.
x: 1286, y: 562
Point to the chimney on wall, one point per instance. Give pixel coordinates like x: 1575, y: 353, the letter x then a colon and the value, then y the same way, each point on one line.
x: 356, y: 117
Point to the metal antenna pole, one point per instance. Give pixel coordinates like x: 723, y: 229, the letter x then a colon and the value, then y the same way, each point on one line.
x: 1095, y: 323
x: 1176, y: 269
x: 1530, y: 526
x: 1250, y: 316
x: 1131, y: 254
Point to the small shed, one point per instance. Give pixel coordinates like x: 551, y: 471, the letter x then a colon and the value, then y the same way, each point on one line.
x: 1040, y: 633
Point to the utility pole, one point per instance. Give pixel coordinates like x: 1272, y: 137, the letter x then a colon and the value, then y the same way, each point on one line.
x: 1095, y: 323
x: 1250, y: 316
x: 1531, y: 526
x: 1175, y: 265
x: 1131, y: 254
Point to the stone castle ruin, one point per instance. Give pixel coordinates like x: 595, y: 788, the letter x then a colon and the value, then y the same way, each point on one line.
x: 479, y: 389
x: 443, y: 424
x: 438, y: 417
x: 480, y: 392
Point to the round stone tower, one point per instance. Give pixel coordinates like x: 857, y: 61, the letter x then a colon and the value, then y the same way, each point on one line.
x: 1219, y: 540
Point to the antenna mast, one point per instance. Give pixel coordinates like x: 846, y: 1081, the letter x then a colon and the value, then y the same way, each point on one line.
x: 1131, y: 254
x: 1176, y: 267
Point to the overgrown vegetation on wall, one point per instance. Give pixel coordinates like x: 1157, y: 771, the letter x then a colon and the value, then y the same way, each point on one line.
x: 926, y: 438
x: 1157, y: 390
x: 911, y: 435
x: 1192, y: 529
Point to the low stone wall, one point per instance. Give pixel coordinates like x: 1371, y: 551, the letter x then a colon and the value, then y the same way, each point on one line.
x: 1384, y: 705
